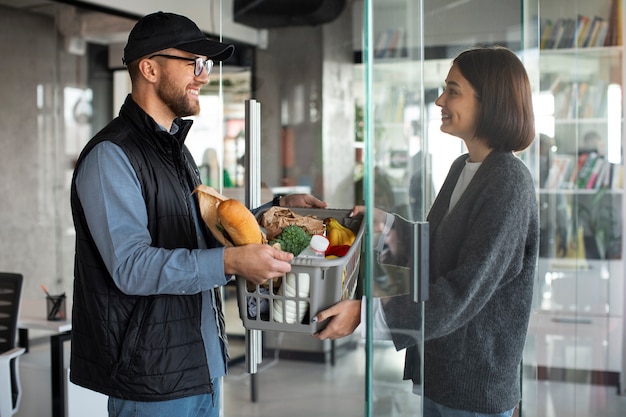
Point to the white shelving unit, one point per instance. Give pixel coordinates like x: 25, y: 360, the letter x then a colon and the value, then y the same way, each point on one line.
x: 578, y: 322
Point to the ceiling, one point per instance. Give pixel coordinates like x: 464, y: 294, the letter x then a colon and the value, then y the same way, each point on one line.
x: 92, y: 26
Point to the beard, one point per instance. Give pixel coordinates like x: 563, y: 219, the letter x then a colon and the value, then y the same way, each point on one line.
x: 179, y: 103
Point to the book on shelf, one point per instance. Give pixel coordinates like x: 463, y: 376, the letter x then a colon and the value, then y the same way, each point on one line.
x: 615, y: 24
x: 556, y: 31
x: 604, y: 176
x: 600, y: 99
x: 583, y: 98
x: 611, y: 177
x: 399, y: 48
x: 594, y: 179
x: 582, y: 158
x: 381, y: 44
x: 597, y: 173
x: 617, y: 176
x: 569, y: 29
x: 579, y: 98
x: 562, y: 101
x: 592, y: 32
x: 586, y: 170
x: 602, y: 31
x: 389, y: 43
x: 394, y: 49
x: 546, y: 31
x: 589, y: 171
x: 559, y: 172
x: 584, y: 31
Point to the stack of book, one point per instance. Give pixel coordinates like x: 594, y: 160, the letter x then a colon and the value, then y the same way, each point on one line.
x: 390, y: 44
x: 580, y: 99
x: 582, y: 32
x: 589, y: 171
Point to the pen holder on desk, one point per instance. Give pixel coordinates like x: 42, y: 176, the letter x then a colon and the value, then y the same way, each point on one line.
x: 55, y: 307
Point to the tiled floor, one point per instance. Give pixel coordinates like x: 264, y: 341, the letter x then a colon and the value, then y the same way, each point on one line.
x: 297, y: 389
x: 288, y: 388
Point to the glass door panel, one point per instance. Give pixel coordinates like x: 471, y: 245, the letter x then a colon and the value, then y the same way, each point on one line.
x: 405, y: 140
x: 575, y: 338
x: 397, y: 158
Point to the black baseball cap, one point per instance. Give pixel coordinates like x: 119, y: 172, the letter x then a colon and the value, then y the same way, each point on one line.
x: 162, y: 30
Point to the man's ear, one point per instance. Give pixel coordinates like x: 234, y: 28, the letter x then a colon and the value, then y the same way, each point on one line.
x: 148, y: 69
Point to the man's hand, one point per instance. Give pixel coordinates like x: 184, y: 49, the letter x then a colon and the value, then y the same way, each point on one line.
x: 256, y: 263
x: 302, y: 200
x: 344, y: 317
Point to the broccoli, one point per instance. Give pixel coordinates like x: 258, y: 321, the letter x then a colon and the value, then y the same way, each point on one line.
x: 292, y: 239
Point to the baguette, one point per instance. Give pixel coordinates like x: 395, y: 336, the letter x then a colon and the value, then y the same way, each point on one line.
x: 240, y: 224
x: 209, y: 199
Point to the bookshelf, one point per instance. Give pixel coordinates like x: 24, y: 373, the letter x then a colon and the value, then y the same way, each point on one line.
x: 391, y: 43
x: 580, y: 287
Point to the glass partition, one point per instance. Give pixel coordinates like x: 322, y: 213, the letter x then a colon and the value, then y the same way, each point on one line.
x: 574, y: 351
x: 398, y: 180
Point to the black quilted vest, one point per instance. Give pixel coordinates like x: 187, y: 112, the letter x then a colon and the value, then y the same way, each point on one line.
x: 136, y: 347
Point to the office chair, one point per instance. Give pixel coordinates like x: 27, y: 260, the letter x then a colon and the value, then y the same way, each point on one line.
x: 10, y: 389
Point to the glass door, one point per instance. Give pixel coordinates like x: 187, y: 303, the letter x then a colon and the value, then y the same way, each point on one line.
x: 410, y: 46
x: 397, y: 181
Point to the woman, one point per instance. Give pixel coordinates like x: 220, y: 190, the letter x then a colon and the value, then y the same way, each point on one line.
x: 483, y: 248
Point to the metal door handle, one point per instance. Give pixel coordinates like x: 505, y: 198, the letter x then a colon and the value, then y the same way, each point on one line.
x: 419, y: 273
x: 252, y: 163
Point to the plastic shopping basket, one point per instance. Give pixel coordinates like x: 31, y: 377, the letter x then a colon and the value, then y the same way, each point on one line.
x: 328, y: 281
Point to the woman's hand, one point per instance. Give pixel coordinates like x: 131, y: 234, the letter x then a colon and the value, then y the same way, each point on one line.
x: 344, y: 317
x: 301, y: 200
x: 256, y: 263
x: 380, y: 217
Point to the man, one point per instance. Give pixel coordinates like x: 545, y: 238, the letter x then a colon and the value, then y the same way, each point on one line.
x: 148, y: 327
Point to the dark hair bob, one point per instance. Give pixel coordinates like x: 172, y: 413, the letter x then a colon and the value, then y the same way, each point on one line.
x: 506, y: 118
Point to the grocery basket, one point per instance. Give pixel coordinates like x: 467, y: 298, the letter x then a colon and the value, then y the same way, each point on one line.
x: 328, y: 281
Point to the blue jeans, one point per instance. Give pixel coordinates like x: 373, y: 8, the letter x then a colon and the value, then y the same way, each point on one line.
x: 433, y: 409
x: 206, y: 405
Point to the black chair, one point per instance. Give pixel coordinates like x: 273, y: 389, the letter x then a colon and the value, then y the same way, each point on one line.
x: 10, y: 389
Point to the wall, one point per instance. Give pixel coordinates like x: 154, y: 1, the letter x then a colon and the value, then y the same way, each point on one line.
x: 338, y: 112
x: 304, y: 80
x: 34, y: 235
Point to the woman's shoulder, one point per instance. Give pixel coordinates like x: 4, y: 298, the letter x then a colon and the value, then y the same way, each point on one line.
x: 506, y: 170
x: 507, y: 162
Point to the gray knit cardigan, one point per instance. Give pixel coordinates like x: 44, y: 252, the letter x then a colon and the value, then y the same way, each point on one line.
x: 483, y: 256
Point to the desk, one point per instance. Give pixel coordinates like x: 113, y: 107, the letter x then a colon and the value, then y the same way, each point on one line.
x: 33, y: 317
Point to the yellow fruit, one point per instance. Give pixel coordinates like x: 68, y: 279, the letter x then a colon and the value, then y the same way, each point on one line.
x: 337, y: 233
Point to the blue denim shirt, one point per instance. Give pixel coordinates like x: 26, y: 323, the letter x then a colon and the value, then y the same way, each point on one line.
x: 115, y: 210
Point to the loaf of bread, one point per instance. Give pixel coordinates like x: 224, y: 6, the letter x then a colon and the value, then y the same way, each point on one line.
x: 209, y: 199
x: 239, y: 223
x: 229, y: 220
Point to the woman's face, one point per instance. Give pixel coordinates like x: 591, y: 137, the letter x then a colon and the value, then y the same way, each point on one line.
x: 459, y: 106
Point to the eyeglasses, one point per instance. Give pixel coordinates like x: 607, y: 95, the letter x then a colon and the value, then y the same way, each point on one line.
x: 199, y: 63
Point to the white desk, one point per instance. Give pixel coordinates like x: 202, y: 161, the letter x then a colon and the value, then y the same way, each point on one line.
x: 33, y: 317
